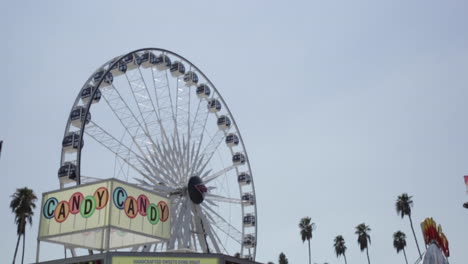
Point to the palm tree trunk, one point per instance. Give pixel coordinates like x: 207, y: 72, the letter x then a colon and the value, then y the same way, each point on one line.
x: 414, y: 234
x: 404, y: 252
x: 368, y: 259
x: 16, y: 249
x: 308, y: 240
x: 24, y: 241
x: 344, y: 255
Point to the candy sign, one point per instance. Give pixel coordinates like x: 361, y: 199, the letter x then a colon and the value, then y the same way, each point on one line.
x: 121, y: 208
x: 77, y: 203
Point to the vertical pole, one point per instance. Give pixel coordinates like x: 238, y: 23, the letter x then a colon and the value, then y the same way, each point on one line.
x: 109, y: 220
x: 37, y: 250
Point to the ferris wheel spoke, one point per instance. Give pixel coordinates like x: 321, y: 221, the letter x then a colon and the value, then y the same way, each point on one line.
x: 200, y: 229
x: 181, y: 243
x: 155, y: 187
x: 211, y: 203
x: 191, y: 154
x: 186, y: 160
x: 115, y: 146
x: 199, y: 121
x: 169, y: 159
x: 207, y: 229
x: 196, y: 133
x: 218, y: 240
x: 164, y: 98
x: 175, y: 229
x: 126, y: 117
x: 194, y: 159
x: 155, y: 174
x: 179, y: 233
x: 215, y: 175
x: 223, y: 225
x: 219, y: 198
x: 161, y: 169
x: 182, y: 107
x: 209, y: 150
x: 120, y: 168
x: 206, y: 173
x: 198, y: 127
x: 165, y: 162
x: 187, y: 225
x: 193, y: 235
x: 148, y: 114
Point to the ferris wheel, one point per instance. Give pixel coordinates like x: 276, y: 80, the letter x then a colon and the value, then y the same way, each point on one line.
x: 158, y: 122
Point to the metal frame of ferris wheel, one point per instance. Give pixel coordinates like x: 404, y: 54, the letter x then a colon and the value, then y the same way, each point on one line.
x: 166, y: 146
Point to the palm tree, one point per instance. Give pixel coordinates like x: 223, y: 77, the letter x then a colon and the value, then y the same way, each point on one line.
x: 340, y: 248
x: 362, y: 230
x: 403, y: 207
x: 22, y: 205
x: 282, y: 259
x: 399, y: 243
x: 306, y: 227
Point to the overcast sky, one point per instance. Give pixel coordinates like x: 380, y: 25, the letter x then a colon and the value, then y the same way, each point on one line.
x: 343, y: 105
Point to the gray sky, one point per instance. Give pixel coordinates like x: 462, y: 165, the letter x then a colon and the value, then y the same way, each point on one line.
x: 343, y: 105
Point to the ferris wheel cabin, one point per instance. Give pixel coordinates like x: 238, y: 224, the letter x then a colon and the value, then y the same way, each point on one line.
x: 238, y: 159
x: 87, y: 92
x: 67, y: 173
x: 249, y: 220
x: 177, y: 69
x: 190, y: 78
x: 146, y: 60
x: 244, y: 178
x: 130, y: 62
x: 214, y: 105
x: 106, y: 81
x: 78, y: 115
x: 232, y: 140
x: 118, y: 69
x: 71, y: 141
x: 249, y: 241
x: 162, y: 62
x: 248, y: 199
x: 224, y: 123
x: 203, y: 91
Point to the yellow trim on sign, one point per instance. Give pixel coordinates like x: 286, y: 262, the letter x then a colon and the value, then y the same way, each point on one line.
x: 163, y: 260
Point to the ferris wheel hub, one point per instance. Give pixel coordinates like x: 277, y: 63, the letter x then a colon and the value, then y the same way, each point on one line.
x: 196, y: 189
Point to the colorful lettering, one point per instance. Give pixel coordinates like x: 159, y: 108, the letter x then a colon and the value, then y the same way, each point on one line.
x: 101, y: 196
x: 119, y: 197
x: 49, y: 207
x: 143, y: 203
x: 88, y: 206
x: 61, y: 211
x: 130, y: 207
x: 164, y: 210
x: 75, y: 202
x: 153, y: 214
